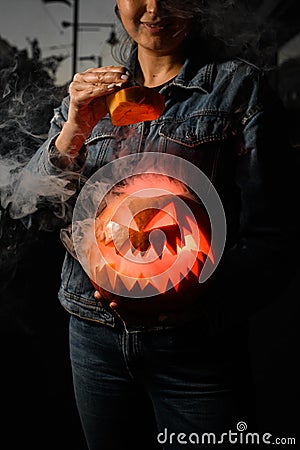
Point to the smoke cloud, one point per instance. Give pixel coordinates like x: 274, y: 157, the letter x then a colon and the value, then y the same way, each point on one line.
x: 27, y: 99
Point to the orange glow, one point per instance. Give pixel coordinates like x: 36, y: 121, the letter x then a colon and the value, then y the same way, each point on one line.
x: 150, y: 243
x: 134, y: 104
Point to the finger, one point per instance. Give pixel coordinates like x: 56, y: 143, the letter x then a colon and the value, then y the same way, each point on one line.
x: 95, y: 87
x: 91, y: 89
x: 107, y: 75
x: 114, y: 305
x: 116, y: 69
x: 97, y: 295
x: 121, y: 69
x: 110, y: 77
x: 101, y: 77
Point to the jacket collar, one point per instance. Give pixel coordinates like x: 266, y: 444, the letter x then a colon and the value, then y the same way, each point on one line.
x: 190, y: 76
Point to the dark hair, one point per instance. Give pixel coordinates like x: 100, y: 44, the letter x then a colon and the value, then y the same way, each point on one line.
x: 221, y: 28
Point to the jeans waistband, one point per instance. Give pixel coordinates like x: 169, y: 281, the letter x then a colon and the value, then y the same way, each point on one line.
x: 155, y: 321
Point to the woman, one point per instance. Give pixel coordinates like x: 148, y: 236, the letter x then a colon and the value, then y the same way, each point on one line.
x: 189, y: 377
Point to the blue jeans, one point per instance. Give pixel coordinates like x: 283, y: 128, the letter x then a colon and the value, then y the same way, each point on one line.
x: 135, y: 388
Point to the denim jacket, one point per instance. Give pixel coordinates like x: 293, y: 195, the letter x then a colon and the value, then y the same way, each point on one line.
x: 225, y: 120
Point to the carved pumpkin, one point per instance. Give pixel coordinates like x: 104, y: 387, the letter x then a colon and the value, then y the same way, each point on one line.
x: 152, y: 249
x: 134, y: 104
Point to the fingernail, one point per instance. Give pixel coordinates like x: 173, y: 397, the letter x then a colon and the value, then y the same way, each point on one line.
x: 119, y: 84
x: 111, y: 85
x: 124, y: 77
x: 128, y: 73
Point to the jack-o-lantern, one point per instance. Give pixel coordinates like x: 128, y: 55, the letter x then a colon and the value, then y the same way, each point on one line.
x: 152, y: 247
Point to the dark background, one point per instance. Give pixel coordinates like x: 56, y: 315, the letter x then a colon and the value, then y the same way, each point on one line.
x: 37, y: 401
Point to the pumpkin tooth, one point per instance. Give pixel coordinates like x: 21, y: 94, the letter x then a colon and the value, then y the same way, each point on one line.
x: 160, y: 283
x: 106, y: 277
x: 143, y: 282
x: 196, y: 268
x: 191, y: 244
x: 128, y: 282
x: 201, y: 257
x: 187, y: 223
x: 175, y: 277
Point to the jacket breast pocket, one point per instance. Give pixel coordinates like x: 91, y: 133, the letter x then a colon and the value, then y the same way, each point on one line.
x: 197, y: 139
x: 196, y: 130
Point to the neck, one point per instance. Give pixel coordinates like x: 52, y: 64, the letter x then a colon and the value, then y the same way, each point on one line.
x: 158, y: 69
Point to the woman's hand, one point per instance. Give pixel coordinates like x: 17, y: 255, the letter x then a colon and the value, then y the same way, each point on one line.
x: 113, y: 304
x: 87, y: 94
x: 88, y: 105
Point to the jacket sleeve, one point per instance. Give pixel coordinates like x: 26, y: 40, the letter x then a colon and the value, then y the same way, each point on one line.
x: 255, y: 271
x: 46, y: 189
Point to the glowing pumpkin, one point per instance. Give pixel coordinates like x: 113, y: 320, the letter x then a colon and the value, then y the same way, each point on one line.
x: 152, y: 248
